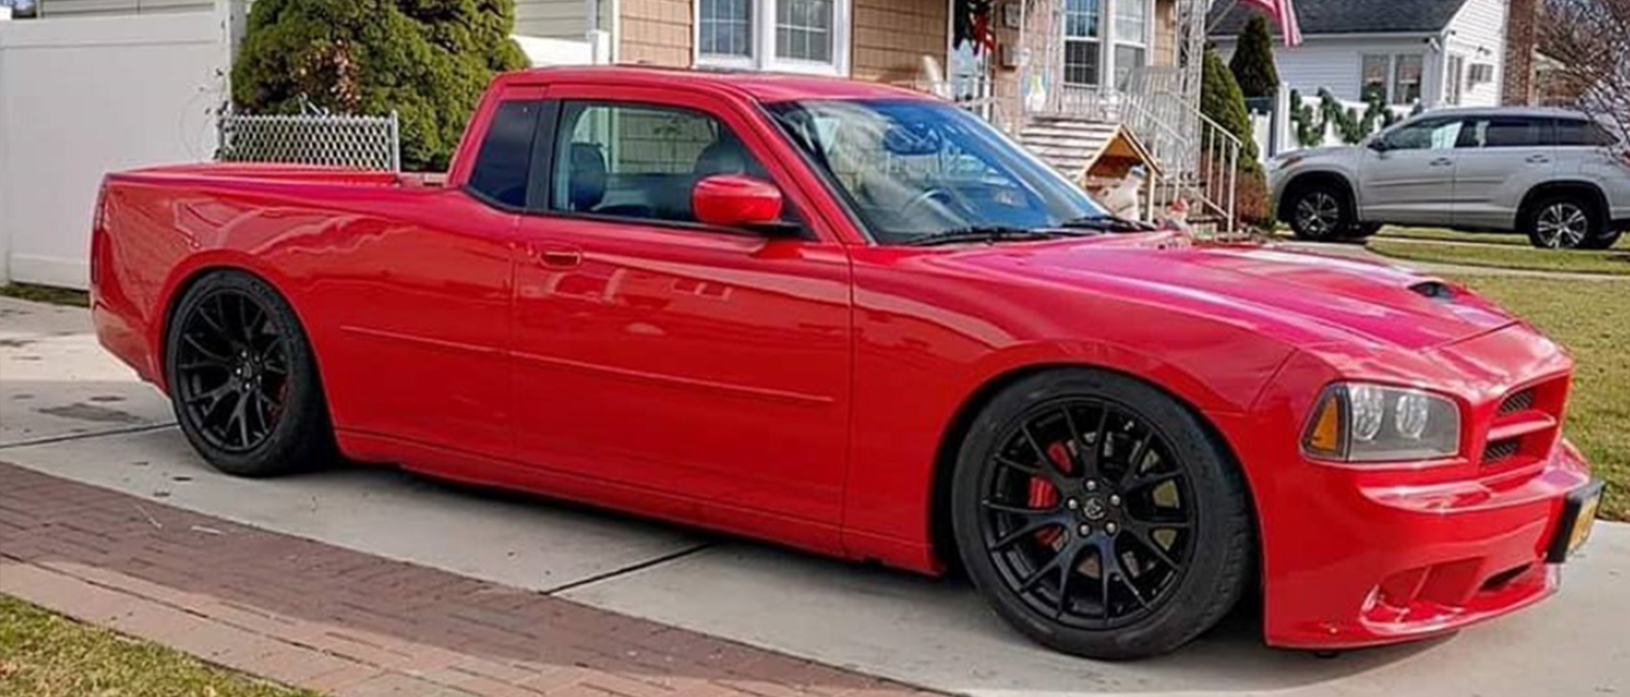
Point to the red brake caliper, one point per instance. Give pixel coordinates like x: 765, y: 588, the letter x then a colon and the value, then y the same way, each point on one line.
x: 1043, y: 495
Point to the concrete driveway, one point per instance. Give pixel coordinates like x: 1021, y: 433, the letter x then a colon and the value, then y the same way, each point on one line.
x: 69, y: 410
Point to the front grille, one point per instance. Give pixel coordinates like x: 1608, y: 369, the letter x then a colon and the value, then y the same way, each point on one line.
x: 1500, y: 451
x: 1521, y: 401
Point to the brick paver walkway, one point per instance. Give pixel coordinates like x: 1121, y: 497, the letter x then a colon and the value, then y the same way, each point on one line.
x: 352, y: 624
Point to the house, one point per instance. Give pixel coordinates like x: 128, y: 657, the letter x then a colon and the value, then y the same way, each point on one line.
x: 1429, y: 52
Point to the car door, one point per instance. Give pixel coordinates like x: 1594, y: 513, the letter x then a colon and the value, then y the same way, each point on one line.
x: 669, y: 356
x: 421, y: 298
x: 1407, y: 177
x: 1498, y: 159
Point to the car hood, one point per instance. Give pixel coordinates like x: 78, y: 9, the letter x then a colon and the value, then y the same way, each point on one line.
x: 1304, y: 298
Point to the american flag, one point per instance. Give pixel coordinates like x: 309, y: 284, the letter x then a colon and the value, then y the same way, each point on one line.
x: 1283, y: 14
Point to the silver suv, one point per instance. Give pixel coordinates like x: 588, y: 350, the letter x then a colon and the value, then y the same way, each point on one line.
x: 1557, y: 176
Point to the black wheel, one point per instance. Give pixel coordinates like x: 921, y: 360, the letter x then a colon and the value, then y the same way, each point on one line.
x: 1099, y: 517
x: 1564, y: 221
x: 1320, y: 213
x: 242, y: 379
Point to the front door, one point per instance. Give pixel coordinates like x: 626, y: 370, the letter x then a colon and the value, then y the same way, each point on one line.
x: 665, y: 355
x: 1411, y: 180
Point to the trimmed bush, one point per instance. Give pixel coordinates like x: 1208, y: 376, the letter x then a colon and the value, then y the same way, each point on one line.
x: 1221, y: 99
x: 1252, y: 64
x: 427, y: 60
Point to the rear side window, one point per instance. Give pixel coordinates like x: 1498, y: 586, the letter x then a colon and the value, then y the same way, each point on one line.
x: 1505, y: 132
x: 1573, y: 132
x: 505, y: 159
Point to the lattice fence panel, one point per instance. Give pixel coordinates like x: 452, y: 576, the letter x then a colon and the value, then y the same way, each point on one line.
x: 361, y: 142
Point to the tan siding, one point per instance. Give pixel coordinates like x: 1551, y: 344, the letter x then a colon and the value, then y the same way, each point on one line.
x: 656, y: 32
x: 1165, y: 33
x: 890, y: 38
x: 1039, y: 35
x: 558, y: 19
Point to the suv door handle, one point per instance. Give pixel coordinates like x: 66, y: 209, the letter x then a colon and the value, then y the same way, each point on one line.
x: 559, y: 256
x: 1441, y: 162
x: 1538, y: 159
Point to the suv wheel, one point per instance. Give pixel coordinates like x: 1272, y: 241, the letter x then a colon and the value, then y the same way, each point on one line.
x: 1563, y: 222
x: 1320, y: 213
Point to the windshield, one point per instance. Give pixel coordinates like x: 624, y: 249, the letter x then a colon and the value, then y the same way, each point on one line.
x: 913, y: 169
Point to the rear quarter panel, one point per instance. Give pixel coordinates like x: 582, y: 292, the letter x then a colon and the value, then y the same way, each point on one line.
x: 366, y: 265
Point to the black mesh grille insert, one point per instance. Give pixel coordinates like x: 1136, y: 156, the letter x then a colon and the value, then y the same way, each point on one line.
x: 1500, y: 450
x: 1517, y: 402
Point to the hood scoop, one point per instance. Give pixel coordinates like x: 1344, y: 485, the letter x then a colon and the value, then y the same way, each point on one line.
x: 1434, y: 290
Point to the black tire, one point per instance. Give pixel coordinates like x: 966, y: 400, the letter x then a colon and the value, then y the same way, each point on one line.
x: 1564, y: 221
x: 1364, y: 230
x: 233, y: 338
x: 1606, y: 240
x: 1175, y: 602
x: 1320, y: 212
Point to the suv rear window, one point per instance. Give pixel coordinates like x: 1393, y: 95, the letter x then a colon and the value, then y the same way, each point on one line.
x: 502, y: 166
x: 1575, y: 132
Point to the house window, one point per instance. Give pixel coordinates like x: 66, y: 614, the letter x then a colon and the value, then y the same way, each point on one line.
x: 1406, y: 79
x: 1083, y: 50
x: 725, y: 28
x: 1377, y: 73
x: 1457, y: 80
x: 803, y: 30
x: 1131, y: 36
x: 788, y: 35
x: 1397, y: 78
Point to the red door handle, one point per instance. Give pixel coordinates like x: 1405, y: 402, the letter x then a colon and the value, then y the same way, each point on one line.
x: 560, y: 256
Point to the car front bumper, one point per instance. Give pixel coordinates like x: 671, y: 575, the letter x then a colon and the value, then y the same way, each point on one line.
x: 1416, y: 562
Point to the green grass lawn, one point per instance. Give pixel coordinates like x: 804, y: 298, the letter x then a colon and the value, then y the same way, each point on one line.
x: 1591, y: 318
x: 1613, y: 261
x: 1439, y: 234
x: 47, y: 655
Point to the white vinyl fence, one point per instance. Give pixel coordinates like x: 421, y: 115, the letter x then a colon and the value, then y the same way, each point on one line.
x: 80, y: 97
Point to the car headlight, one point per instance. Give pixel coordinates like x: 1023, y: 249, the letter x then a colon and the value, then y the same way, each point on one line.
x: 1364, y: 422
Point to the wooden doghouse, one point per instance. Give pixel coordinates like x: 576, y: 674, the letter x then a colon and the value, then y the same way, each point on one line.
x: 1113, y: 162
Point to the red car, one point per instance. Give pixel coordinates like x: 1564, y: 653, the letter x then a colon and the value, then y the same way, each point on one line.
x: 859, y: 321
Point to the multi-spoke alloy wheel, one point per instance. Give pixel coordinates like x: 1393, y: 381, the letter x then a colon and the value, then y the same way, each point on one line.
x: 232, y: 373
x: 1318, y: 215
x: 1562, y: 225
x: 1099, y: 515
x: 1087, y: 513
x: 242, y: 380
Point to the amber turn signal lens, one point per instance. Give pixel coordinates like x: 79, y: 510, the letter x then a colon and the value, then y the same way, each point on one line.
x: 1324, y: 434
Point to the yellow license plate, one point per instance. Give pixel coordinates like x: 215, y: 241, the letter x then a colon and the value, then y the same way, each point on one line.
x: 1583, y: 523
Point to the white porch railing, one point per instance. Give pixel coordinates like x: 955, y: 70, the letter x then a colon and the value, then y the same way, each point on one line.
x: 1199, y: 158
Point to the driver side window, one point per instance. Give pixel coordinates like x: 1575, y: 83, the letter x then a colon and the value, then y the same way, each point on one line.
x: 1433, y: 134
x: 640, y: 161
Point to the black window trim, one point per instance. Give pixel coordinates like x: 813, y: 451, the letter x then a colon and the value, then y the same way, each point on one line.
x: 545, y: 108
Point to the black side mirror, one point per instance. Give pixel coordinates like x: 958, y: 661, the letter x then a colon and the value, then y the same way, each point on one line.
x: 1378, y: 145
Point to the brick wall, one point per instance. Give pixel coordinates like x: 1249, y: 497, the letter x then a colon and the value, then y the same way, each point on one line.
x: 656, y: 32
x: 1518, y: 85
x: 890, y: 37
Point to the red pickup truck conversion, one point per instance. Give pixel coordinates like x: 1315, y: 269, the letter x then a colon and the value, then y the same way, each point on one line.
x: 858, y: 320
